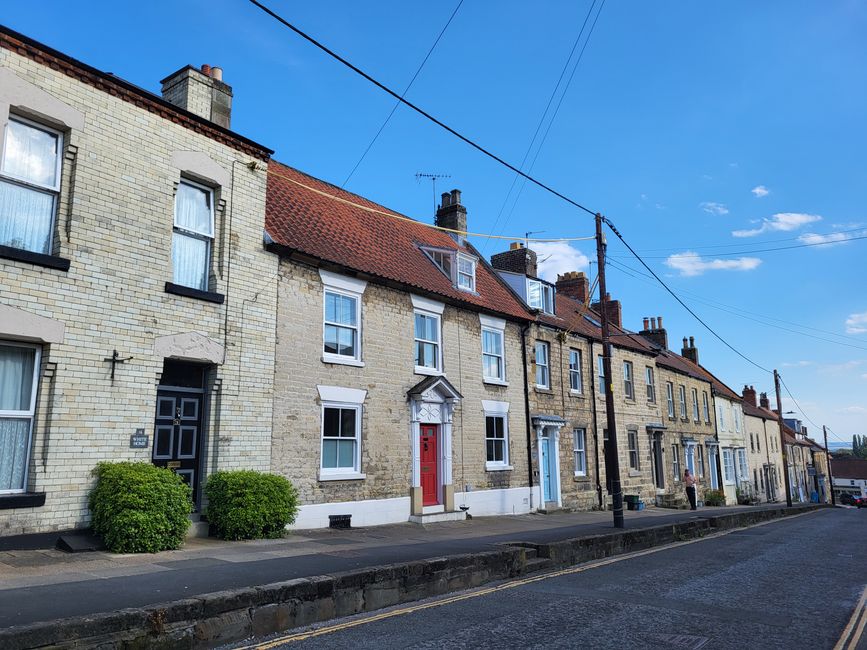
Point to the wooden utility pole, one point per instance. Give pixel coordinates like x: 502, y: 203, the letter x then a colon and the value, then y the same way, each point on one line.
x: 612, y: 460
x: 828, y: 460
x: 783, y: 441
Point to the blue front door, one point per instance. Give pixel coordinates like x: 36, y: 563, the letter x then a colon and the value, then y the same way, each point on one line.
x: 547, y: 490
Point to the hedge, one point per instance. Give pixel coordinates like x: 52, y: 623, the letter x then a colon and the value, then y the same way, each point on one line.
x: 139, y: 508
x: 250, y: 505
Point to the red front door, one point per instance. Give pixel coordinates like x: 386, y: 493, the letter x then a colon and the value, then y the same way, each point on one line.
x: 428, y: 459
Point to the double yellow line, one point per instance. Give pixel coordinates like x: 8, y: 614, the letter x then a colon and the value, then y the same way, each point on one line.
x: 331, y: 629
x: 855, y: 628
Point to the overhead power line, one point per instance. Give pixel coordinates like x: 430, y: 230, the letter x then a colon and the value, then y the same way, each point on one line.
x: 417, y: 109
x: 762, y: 242
x: 544, y: 114
x: 399, y: 217
x: 403, y: 94
x: 753, y: 251
x: 797, y: 406
x: 737, y: 311
x: 678, y: 299
x: 556, y: 111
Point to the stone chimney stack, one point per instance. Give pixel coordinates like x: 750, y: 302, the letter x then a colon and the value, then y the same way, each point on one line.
x: 749, y: 394
x: 656, y: 333
x: 201, y: 92
x: 764, y: 402
x: 517, y: 259
x: 615, y: 313
x: 689, y: 350
x: 452, y: 214
x: 575, y: 285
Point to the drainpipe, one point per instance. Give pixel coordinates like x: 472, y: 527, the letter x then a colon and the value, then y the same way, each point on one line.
x: 524, y: 331
x: 595, y: 429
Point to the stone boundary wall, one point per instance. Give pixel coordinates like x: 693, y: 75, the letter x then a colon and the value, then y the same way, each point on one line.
x: 223, y: 617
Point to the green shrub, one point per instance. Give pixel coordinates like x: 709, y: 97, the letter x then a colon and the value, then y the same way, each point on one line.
x: 250, y: 505
x: 714, y: 498
x: 139, y: 508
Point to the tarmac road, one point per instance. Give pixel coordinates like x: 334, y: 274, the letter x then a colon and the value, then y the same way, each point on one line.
x: 793, y: 583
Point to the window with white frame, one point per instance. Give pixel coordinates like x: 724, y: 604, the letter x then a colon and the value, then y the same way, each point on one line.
x: 700, y: 460
x: 540, y: 295
x: 675, y: 461
x: 600, y: 364
x: 681, y: 393
x: 341, y: 439
x: 496, y: 440
x: 341, y: 337
x: 752, y: 444
x: 695, y: 404
x: 341, y: 318
x: 758, y: 443
x: 427, y: 341
x: 650, y: 383
x: 669, y: 397
x: 29, y: 185
x: 705, y: 406
x: 628, y: 382
x: 466, y: 273
x: 19, y: 371
x: 634, y: 462
x: 743, y: 472
x: 736, y: 417
x: 493, y: 363
x: 193, y: 235
x: 543, y: 370
x: 442, y: 259
x: 721, y: 421
x: 576, y: 382
x: 728, y: 466
x: 579, y: 449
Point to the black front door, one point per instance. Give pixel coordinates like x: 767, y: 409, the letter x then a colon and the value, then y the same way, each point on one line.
x: 658, y: 462
x: 178, y: 433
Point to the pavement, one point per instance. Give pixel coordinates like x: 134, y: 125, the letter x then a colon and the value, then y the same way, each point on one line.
x: 46, y: 585
x: 788, y: 583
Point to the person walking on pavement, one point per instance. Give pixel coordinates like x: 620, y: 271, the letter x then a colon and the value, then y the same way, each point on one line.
x: 689, y: 482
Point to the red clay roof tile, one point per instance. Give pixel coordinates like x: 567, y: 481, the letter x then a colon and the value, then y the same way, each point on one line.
x: 300, y: 216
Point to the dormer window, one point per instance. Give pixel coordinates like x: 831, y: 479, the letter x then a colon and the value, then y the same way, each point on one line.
x: 459, y: 268
x: 540, y: 295
x: 442, y: 259
x: 466, y: 273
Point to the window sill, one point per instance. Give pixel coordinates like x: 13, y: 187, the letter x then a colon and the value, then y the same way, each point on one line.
x: 494, y: 382
x: 629, y: 400
x: 634, y: 472
x: 498, y: 467
x: 543, y: 389
x: 342, y: 361
x: 576, y: 393
x: 22, y: 500
x: 580, y: 477
x: 198, y: 294
x: 37, y: 259
x: 431, y: 372
x: 343, y: 476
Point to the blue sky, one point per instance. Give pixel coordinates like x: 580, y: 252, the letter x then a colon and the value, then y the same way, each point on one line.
x: 684, y: 123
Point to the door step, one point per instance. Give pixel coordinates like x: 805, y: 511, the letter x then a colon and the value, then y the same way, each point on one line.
x: 198, y: 528
x: 537, y: 564
x: 437, y: 517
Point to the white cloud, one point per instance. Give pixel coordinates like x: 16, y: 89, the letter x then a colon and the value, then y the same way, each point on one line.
x: 864, y: 376
x: 829, y: 239
x: 782, y: 221
x: 760, y: 191
x: 690, y: 264
x: 711, y: 207
x: 853, y: 409
x: 856, y: 323
x: 557, y: 258
x: 797, y: 364
x: 841, y: 368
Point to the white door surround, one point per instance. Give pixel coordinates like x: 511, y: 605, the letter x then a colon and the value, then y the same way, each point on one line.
x: 548, y: 426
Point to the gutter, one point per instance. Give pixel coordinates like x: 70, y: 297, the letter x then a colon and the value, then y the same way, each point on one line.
x: 595, y: 425
x: 524, y: 329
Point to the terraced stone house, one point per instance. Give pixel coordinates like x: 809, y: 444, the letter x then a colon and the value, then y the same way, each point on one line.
x: 399, y: 389
x: 134, y: 323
